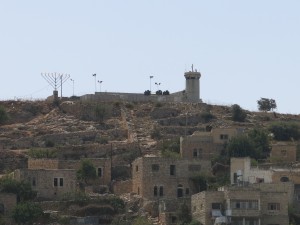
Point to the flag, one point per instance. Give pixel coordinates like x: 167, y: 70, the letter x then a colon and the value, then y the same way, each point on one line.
x: 94, y: 75
x: 151, y: 77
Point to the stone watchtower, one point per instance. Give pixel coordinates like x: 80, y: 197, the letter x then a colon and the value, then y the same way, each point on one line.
x: 192, y: 85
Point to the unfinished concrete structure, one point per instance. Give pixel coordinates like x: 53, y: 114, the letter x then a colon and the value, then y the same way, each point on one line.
x: 206, y: 145
x: 165, y: 178
x: 259, y: 204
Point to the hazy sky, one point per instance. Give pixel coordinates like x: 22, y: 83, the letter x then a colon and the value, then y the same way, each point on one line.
x: 244, y: 49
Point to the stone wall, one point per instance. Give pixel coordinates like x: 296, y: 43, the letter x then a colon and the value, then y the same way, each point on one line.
x: 7, y: 203
x: 202, y: 205
x: 122, y: 187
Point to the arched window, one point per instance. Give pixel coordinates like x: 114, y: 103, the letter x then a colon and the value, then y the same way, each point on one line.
x: 284, y: 179
x: 179, y: 191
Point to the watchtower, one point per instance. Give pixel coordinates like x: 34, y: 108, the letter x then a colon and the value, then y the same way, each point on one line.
x: 192, y: 85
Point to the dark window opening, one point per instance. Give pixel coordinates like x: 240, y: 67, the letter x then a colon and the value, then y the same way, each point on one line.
x: 155, y: 191
x: 99, y: 172
x: 284, y: 179
x: 136, y: 168
x: 33, y: 181
x: 216, y: 205
x: 187, y: 191
x: 172, y: 170
x: 179, y: 191
x: 161, y: 191
x: 61, y: 182
x: 55, y: 182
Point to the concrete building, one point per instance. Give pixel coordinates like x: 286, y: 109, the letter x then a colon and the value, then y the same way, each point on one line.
x: 192, y: 85
x: 165, y: 178
x: 258, y: 204
x: 206, y: 145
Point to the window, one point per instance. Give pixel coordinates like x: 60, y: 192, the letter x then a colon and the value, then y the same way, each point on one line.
x: 283, y: 153
x: 244, y: 204
x: 195, y: 153
x: 273, y: 206
x: 284, y: 179
x: 215, y: 205
x: 224, y: 136
x: 172, y: 170
x: 179, y: 191
x: 33, y: 183
x: 155, y: 167
x: 99, y: 172
x: 155, y: 191
x: 136, y: 168
x: 161, y: 191
x: 56, y: 180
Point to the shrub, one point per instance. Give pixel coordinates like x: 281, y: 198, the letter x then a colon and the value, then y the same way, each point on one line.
x: 129, y: 106
x: 285, y: 131
x: 3, y: 115
x: 147, y: 93
x: 155, y: 134
x: 238, y: 114
x: 207, y: 116
x: 27, y: 212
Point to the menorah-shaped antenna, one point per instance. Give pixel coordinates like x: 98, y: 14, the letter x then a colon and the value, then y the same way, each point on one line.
x: 56, y: 80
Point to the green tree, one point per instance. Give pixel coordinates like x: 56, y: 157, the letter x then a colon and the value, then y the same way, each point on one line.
x: 147, y: 92
x: 22, y: 189
x: 87, y: 171
x: 3, y: 115
x: 141, y: 221
x: 285, y: 131
x: 26, y: 212
x: 260, y: 140
x: 159, y: 92
x: 238, y: 114
x: 266, y: 104
x: 241, y: 146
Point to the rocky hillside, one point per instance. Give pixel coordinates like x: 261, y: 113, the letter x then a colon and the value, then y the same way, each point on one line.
x: 76, y: 129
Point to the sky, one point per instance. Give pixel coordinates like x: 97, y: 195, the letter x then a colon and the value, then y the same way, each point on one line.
x: 244, y: 50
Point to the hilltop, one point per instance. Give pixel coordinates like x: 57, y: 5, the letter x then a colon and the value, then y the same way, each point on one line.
x: 76, y: 129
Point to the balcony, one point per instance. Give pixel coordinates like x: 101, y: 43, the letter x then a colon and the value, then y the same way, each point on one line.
x: 244, y: 212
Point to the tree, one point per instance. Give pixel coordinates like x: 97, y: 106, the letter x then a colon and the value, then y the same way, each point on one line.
x: 241, y: 146
x: 159, y: 92
x: 147, y: 93
x: 260, y: 140
x: 238, y: 114
x: 285, y: 131
x: 266, y: 104
x: 3, y: 115
x: 26, y: 212
x: 87, y: 171
x: 166, y: 92
x: 22, y: 189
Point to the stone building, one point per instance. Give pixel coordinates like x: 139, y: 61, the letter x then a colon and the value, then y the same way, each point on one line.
x: 283, y: 152
x: 49, y: 183
x: 206, y: 145
x: 258, y: 204
x: 102, y: 165
x: 165, y: 178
